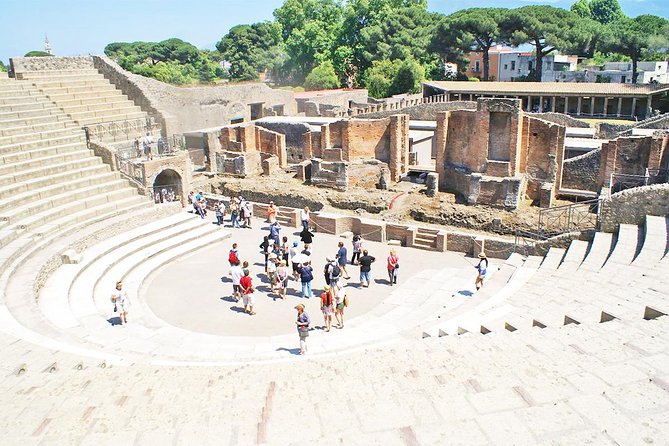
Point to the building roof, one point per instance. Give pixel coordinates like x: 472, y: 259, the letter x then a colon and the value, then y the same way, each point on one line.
x: 547, y: 88
x: 318, y: 93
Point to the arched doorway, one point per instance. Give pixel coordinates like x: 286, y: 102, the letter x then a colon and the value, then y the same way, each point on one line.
x: 167, y: 187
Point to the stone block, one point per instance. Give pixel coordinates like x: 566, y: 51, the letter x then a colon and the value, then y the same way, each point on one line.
x: 270, y: 165
x: 432, y: 184
x: 547, y: 195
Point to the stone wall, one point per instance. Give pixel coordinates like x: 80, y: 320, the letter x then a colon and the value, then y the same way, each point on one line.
x: 423, y: 112
x: 559, y: 118
x: 631, y: 155
x: 366, y: 139
x: 541, y: 154
x: 20, y: 65
x: 632, y: 205
x: 582, y: 172
x: 187, y: 109
x: 325, y: 105
x: 294, y: 133
x: 331, y: 175
x: 248, y: 138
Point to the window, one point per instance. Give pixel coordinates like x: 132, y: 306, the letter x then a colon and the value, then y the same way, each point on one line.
x: 529, y: 65
x: 513, y: 65
x: 477, y: 66
x: 506, y: 66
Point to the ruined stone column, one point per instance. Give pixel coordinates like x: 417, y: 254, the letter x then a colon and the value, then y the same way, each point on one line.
x: 399, y: 146
x: 440, y: 137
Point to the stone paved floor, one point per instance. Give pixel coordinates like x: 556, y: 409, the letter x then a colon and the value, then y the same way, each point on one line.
x: 194, y: 292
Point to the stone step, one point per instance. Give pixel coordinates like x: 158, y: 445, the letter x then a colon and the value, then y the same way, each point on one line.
x: 625, y: 247
x: 47, y: 116
x: 33, y: 113
x: 44, y: 135
x: 14, y: 210
x: 87, y: 176
x: 53, y: 169
x: 51, y: 91
x: 115, y: 261
x: 117, y: 109
x: 27, y: 145
x: 42, y: 152
x: 598, y: 253
x: 117, y: 103
x: 90, y: 81
x: 24, y: 105
x: 552, y: 259
x: 573, y: 257
x: 18, y: 167
x: 50, y: 74
x: 654, y: 243
x: 66, y: 103
x: 35, y: 221
x: 113, y: 118
x: 92, y: 96
x: 21, y: 94
x: 33, y: 128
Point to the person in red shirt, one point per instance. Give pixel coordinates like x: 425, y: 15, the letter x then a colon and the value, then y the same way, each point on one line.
x: 246, y: 285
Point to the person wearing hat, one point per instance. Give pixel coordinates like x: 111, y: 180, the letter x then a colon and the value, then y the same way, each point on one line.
x: 121, y: 302
x: 482, y: 268
x: 302, y: 324
x: 327, y: 306
x: 282, y: 279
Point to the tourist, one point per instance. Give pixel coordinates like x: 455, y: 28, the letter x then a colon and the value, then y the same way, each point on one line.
x: 233, y: 255
x: 302, y: 323
x: 327, y: 307
x: 236, y: 273
x: 138, y: 146
x: 306, y: 276
x: 357, y: 247
x: 271, y: 212
x: 271, y: 271
x: 246, y: 285
x: 282, y: 279
x: 121, y: 302
x: 264, y: 248
x: 365, y: 263
x: 332, y: 272
x: 482, y: 269
x: 234, y: 213
x: 306, y: 250
x: 147, y: 141
x: 248, y: 213
x: 274, y: 230
x: 342, y: 259
x: 306, y: 236
x: 218, y: 210
x: 293, y: 253
x: 245, y: 267
x: 242, y: 210
x: 304, y: 218
x: 285, y: 249
x: 393, y: 266
x: 340, y: 303
x: 276, y: 250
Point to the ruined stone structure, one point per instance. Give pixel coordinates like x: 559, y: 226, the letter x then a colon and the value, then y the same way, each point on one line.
x: 632, y: 155
x: 495, y: 154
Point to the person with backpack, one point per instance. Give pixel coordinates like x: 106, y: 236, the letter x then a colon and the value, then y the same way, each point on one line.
x: 341, y: 301
x: 327, y: 307
x: 393, y: 267
x: 482, y: 269
x: 333, y: 273
x: 233, y: 256
x: 306, y: 276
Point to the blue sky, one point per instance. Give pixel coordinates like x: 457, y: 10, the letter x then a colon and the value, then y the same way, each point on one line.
x: 86, y: 26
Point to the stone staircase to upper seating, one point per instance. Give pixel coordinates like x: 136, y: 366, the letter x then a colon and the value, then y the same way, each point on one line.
x: 426, y: 239
x: 87, y: 97
x: 48, y: 177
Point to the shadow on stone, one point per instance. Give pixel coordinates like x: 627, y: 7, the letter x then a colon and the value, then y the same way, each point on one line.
x: 226, y: 279
x: 228, y: 299
x: 292, y: 351
x: 237, y: 309
x: 465, y: 293
x: 115, y: 320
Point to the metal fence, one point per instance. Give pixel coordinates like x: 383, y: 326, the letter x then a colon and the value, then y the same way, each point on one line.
x: 122, y: 130
x: 568, y: 218
x: 621, y: 181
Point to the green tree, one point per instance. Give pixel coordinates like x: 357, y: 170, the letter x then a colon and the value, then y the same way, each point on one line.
x: 3, y: 67
x: 477, y: 28
x: 252, y: 49
x: 606, y: 11
x: 582, y: 9
x: 322, y: 77
x: 379, y: 78
x: 410, y: 74
x: 37, y: 54
x: 636, y: 37
x: 547, y: 29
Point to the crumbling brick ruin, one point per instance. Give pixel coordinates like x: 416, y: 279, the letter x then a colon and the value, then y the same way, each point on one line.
x: 495, y: 154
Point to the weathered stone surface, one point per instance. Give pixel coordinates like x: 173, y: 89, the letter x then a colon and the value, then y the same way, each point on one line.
x: 432, y: 184
x: 632, y: 205
x: 582, y: 172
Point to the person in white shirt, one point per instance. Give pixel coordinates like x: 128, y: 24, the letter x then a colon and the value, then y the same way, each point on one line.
x: 236, y: 273
x: 121, y: 302
x: 304, y: 216
x: 340, y: 304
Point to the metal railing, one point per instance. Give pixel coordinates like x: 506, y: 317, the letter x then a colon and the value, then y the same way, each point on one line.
x: 130, y: 155
x: 621, y: 181
x: 121, y: 130
x: 568, y: 218
x: 525, y: 240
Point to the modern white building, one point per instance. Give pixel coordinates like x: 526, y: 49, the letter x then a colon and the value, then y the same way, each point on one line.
x: 518, y: 64
x: 620, y: 73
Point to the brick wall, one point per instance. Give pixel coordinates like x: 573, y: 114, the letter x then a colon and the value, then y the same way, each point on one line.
x: 366, y: 139
x: 541, y: 154
x: 628, y: 155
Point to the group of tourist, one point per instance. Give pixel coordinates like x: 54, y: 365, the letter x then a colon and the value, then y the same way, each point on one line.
x: 164, y: 194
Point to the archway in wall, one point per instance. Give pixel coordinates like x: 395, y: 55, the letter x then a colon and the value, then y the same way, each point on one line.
x: 167, y: 186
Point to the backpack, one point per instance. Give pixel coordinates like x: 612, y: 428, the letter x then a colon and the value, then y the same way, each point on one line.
x: 336, y: 271
x: 326, y: 299
x: 232, y: 258
x: 345, y: 300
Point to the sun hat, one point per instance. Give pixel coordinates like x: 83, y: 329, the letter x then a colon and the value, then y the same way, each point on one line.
x: 482, y: 255
x: 326, y: 287
x: 299, y: 307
